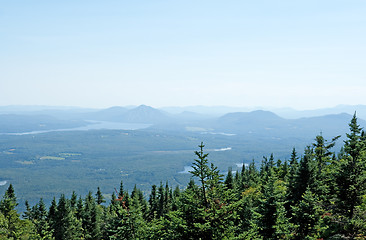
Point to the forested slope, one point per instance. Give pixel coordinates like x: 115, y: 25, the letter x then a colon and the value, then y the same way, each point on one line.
x: 315, y: 195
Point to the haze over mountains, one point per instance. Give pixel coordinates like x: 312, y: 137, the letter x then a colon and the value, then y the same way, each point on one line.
x: 276, y: 123
x: 159, y: 150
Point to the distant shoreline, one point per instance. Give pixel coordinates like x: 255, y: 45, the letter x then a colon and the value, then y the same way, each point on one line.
x: 95, y: 125
x: 2, y: 183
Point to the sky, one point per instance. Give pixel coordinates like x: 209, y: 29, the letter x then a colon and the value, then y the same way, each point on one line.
x: 300, y: 54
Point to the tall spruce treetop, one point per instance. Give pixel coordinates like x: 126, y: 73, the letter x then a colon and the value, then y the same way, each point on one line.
x: 351, y: 175
x: 229, y: 179
x: 99, y: 197
x: 201, y: 170
x: 353, y: 145
x: 9, y: 201
x: 322, y: 151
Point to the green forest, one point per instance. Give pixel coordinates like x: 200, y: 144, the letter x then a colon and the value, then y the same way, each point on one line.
x: 317, y: 194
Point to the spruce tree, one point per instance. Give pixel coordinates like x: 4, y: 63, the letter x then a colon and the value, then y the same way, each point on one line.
x: 306, y: 216
x: 303, y: 177
x: 99, y: 197
x: 91, y: 219
x: 153, y: 203
x: 267, y: 209
x: 351, y: 177
x: 201, y: 170
x: 229, y: 179
x: 67, y: 225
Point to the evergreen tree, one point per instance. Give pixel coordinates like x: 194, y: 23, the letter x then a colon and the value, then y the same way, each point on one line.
x: 351, y: 177
x: 153, y: 203
x: 229, y: 182
x: 306, y: 217
x: 99, y: 197
x: 323, y: 185
x: 67, y: 226
x: 52, y: 215
x: 201, y: 171
x: 91, y: 219
x: 9, y: 201
x: 79, y: 208
x: 253, y: 175
x: 303, y: 177
x: 73, y: 200
x: 267, y: 209
x: 10, y: 215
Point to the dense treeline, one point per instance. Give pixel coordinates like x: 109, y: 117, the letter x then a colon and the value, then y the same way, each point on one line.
x: 318, y: 195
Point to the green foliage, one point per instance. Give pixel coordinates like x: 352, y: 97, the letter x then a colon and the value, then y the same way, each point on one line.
x: 351, y: 179
x: 319, y: 196
x: 201, y: 171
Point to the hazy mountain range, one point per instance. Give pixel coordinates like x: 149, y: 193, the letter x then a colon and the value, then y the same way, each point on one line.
x: 159, y: 150
x: 205, y: 119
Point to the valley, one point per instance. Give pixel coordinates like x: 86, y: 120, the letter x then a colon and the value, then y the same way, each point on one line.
x: 50, y: 162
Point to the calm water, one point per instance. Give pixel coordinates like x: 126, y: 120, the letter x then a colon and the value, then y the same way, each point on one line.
x: 94, y: 125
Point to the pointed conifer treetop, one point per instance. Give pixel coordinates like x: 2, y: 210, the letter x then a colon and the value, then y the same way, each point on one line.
x: 201, y: 170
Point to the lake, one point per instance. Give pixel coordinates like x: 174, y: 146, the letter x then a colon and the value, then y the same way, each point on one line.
x: 94, y: 125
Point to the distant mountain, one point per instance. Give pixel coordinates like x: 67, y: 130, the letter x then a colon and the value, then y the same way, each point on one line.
x: 212, y: 111
x: 113, y: 114
x: 275, y: 123
x: 266, y: 123
x: 140, y: 114
x: 258, y: 117
x: 350, y: 109
x: 287, y: 113
x: 191, y: 116
x: 144, y: 114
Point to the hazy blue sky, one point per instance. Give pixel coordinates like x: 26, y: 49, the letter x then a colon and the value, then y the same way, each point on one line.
x: 301, y: 54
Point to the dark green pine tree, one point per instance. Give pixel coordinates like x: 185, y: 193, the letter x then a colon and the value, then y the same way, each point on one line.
x: 52, y: 215
x: 323, y: 185
x: 306, y: 217
x: 175, y: 198
x: 73, y: 200
x: 27, y: 214
x: 99, y: 197
x: 267, y: 168
x: 201, y: 170
x: 67, y: 226
x: 244, y: 178
x: 112, y: 208
x: 9, y: 201
x: 322, y: 151
x: 79, y: 211
x: 350, y: 178
x: 264, y: 167
x: 161, y: 201
x: 229, y: 181
x: 303, y: 177
x: 134, y: 192
x: 124, y: 195
x: 167, y: 198
x: 282, y: 169
x: 252, y: 175
x: 127, y: 223
x: 267, y: 209
x: 91, y: 219
x: 291, y: 181
x: 10, y: 214
x: 43, y: 228
x: 153, y: 204
x: 38, y: 216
